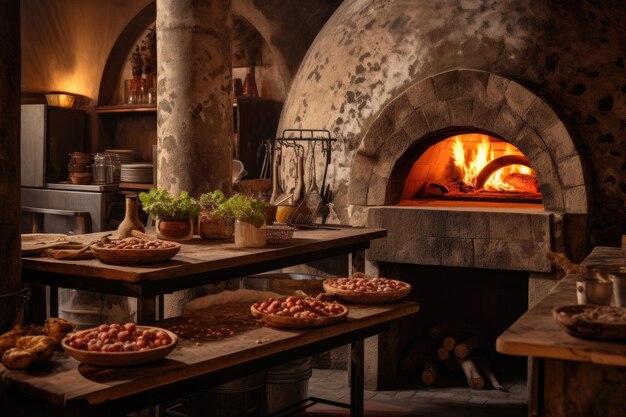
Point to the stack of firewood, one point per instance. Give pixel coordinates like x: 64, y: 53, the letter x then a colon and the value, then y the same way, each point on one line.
x: 453, y: 345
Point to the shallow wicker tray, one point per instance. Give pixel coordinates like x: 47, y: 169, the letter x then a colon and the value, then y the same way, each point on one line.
x: 367, y: 297
x: 109, y: 359
x: 293, y: 322
x: 584, y: 329
x: 279, y: 233
x: 134, y: 256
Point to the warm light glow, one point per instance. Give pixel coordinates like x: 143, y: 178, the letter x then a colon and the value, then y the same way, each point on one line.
x: 471, y: 163
x: 60, y: 100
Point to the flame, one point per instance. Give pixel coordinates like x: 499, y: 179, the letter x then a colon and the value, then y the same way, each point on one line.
x: 478, y: 159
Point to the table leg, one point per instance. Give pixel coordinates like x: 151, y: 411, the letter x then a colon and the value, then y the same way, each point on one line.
x: 37, y: 304
x: 54, y: 302
x: 357, y: 378
x: 146, y: 310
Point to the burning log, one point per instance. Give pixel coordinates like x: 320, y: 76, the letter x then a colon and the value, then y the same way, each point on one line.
x: 435, y: 189
x: 429, y: 374
x: 416, y: 356
x: 470, y: 345
x: 474, y: 379
x: 526, y: 183
x: 441, y: 330
x: 483, y: 367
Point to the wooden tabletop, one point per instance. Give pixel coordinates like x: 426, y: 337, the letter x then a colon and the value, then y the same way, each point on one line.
x: 199, y: 256
x: 537, y: 334
x: 66, y: 380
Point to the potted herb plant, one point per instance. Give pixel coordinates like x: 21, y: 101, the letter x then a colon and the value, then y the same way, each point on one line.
x: 249, y: 215
x: 173, y: 214
x: 210, y: 224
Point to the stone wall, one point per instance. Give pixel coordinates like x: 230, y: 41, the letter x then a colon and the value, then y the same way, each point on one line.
x: 570, y: 54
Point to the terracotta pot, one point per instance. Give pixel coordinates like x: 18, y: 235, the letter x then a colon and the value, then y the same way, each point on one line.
x: 214, y: 227
x: 249, y: 236
x: 174, y: 229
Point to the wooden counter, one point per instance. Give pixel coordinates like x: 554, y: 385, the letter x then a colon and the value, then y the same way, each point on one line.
x: 537, y: 334
x: 199, y: 262
x: 569, y: 377
x: 73, y: 388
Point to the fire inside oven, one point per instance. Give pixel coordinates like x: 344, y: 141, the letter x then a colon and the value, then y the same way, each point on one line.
x: 472, y: 167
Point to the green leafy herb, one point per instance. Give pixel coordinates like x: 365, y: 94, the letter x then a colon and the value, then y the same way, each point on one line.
x: 243, y: 208
x: 210, y: 202
x: 160, y: 203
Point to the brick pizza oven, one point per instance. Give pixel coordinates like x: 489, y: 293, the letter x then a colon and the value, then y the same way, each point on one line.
x: 415, y: 96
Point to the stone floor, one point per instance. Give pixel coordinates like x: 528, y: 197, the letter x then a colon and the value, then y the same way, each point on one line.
x: 455, y: 400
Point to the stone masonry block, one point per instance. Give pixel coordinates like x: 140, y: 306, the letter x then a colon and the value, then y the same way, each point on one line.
x: 376, y: 135
x: 461, y: 111
x: 558, y: 141
x: 398, y: 110
x: 415, y: 125
x: 436, y: 114
x: 519, y: 98
x: 457, y: 252
x: 446, y: 85
x: 552, y: 196
x: 496, y: 87
x: 357, y: 192
x: 517, y: 255
x: 484, y: 114
x: 576, y: 200
x: 529, y: 142
x: 473, y: 83
x: 382, y: 249
x: 394, y: 148
x: 414, y: 249
x: 507, y: 123
x: 541, y: 227
x: 421, y: 93
x: 514, y: 226
x: 427, y: 223
x: 467, y: 224
x: 545, y: 168
x: 540, y: 115
x: 571, y: 172
x: 377, y: 190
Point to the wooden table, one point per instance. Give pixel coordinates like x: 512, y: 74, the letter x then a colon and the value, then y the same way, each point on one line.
x: 72, y: 389
x: 569, y: 376
x: 199, y: 262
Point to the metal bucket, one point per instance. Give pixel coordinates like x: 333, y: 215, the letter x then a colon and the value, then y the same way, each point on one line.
x: 244, y: 397
x: 288, y: 384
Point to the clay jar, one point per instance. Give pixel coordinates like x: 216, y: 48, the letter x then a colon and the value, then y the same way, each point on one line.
x: 131, y: 219
x: 210, y: 227
x: 249, y: 236
x: 175, y: 230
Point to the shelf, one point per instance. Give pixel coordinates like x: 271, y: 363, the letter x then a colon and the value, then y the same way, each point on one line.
x: 136, y: 186
x: 127, y: 108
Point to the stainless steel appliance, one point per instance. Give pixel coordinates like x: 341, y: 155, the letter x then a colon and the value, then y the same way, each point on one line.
x: 48, y: 135
x: 70, y: 209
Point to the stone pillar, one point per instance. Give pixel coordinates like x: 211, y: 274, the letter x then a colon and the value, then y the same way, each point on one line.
x: 9, y: 156
x: 194, y: 116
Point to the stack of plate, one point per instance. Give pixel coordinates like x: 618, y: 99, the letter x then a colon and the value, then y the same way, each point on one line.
x: 139, y: 172
x: 125, y: 155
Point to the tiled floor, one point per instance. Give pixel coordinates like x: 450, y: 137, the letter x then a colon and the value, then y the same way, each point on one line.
x: 453, y: 401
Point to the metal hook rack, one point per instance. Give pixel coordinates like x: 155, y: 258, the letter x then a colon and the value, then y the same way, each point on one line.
x: 291, y: 137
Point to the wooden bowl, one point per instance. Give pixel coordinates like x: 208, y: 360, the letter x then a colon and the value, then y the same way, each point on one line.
x: 109, y: 359
x: 133, y: 256
x: 567, y: 318
x: 295, y: 323
x: 367, y: 297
